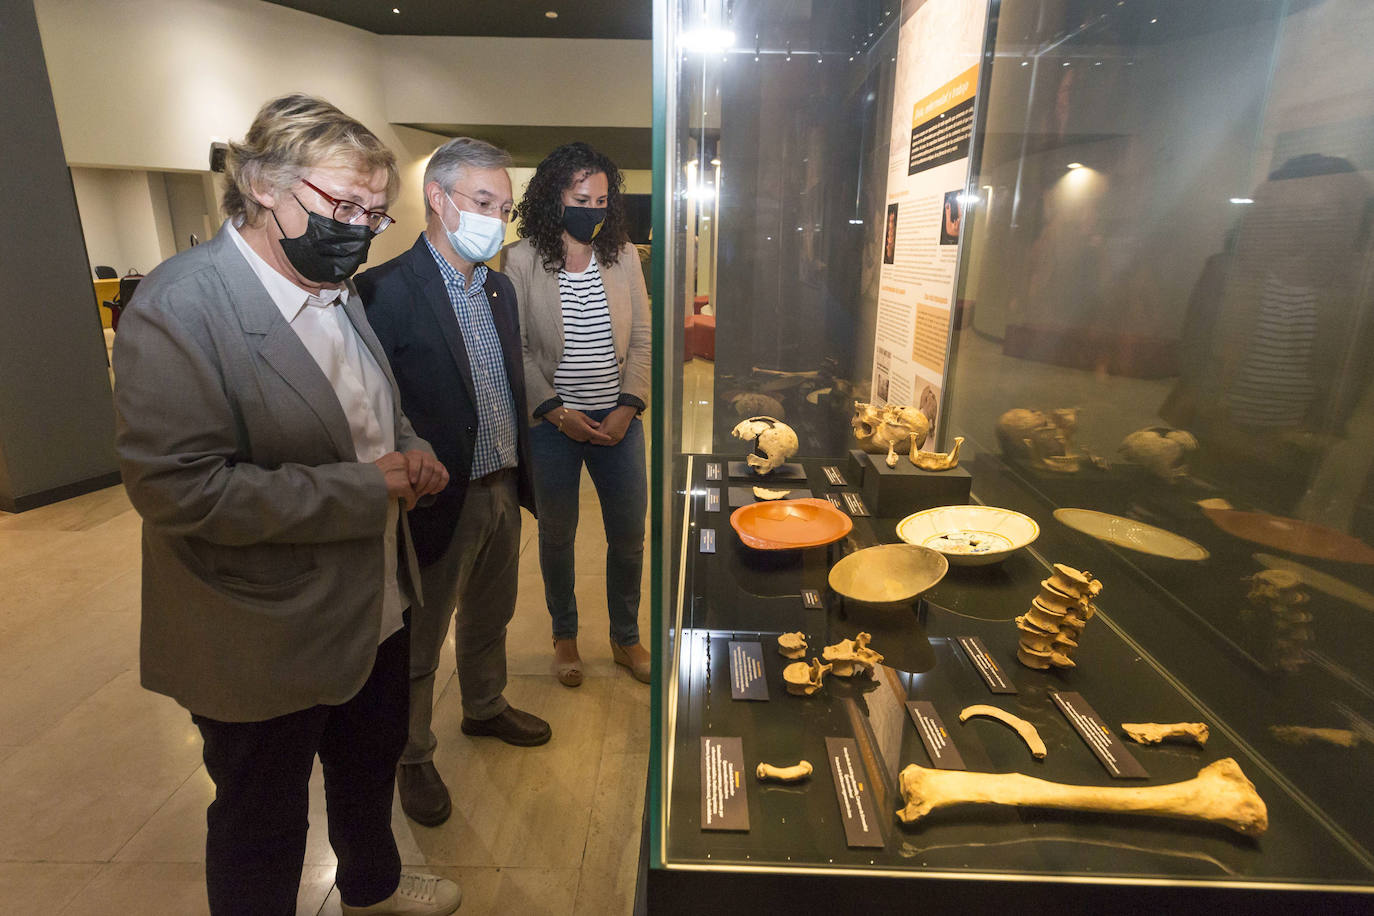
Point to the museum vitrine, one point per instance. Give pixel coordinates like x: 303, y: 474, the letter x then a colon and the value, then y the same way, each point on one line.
x: 1013, y: 529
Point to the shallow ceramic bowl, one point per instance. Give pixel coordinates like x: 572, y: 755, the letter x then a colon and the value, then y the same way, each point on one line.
x: 1131, y: 534
x: 969, y: 535
x: 790, y: 524
x: 888, y: 573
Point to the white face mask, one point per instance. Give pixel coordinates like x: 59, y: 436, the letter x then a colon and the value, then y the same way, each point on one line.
x: 478, y: 237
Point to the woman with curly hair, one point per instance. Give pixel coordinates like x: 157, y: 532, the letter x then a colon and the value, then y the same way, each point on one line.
x: 584, y: 324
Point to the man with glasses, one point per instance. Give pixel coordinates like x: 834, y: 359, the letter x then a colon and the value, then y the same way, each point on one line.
x: 450, y: 328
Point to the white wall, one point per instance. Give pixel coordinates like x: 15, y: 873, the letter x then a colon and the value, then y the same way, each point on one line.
x: 148, y: 84
x: 460, y: 80
x: 118, y: 218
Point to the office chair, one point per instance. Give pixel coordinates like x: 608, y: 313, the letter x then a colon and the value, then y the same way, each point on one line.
x: 105, y: 273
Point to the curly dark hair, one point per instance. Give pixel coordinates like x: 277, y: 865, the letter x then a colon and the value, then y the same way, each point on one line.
x: 541, y: 209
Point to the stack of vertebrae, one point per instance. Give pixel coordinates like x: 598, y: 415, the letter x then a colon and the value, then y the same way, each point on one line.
x: 1050, y: 630
x: 1279, y: 597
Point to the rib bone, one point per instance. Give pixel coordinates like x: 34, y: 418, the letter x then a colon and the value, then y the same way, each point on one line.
x: 1023, y: 728
x: 1219, y: 793
x: 784, y: 774
x: 1155, y: 732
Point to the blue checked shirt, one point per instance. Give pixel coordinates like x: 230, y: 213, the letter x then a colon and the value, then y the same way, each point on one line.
x: 496, y: 430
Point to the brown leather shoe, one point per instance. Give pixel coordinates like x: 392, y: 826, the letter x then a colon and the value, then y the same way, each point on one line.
x: 512, y: 726
x: 424, y: 797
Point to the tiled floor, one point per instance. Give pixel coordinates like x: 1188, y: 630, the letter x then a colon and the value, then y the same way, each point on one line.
x: 103, y: 794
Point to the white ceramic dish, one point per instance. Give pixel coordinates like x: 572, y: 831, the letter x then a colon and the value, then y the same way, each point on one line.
x: 969, y: 535
x: 1131, y: 534
x: 888, y: 574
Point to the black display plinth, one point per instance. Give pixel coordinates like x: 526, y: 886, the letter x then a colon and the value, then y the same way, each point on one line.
x: 740, y: 470
x: 906, y: 488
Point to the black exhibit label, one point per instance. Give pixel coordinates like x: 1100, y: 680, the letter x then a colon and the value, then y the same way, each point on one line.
x: 835, y: 500
x: 851, y: 790
x: 713, y: 499
x: 934, y: 736
x: 811, y: 598
x: 989, y: 669
x: 746, y: 671
x: 855, y: 503
x: 708, y: 540
x: 833, y: 475
x: 713, y: 470
x: 1095, y: 733
x: 724, y: 805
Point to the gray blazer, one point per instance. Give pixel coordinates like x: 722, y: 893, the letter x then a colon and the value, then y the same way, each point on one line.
x: 262, y: 533
x: 541, y: 325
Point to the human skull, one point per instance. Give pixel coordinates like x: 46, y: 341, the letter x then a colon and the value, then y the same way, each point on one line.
x: 774, y: 442
x: 892, y: 429
x: 1160, y: 450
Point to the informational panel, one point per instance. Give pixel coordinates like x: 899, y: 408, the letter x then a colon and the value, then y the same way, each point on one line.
x: 938, y: 51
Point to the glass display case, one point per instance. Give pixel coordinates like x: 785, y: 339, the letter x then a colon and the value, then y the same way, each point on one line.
x: 1118, y: 255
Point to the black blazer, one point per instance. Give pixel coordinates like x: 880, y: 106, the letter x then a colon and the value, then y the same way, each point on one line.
x: 408, y: 306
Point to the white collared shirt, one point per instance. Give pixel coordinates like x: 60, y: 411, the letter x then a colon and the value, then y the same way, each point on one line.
x: 359, y: 383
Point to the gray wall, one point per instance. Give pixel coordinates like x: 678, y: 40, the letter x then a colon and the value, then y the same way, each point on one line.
x: 56, y: 416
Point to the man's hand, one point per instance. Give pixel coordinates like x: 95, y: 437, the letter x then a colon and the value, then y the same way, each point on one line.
x: 616, y: 423
x: 577, y: 426
x: 396, y: 471
x: 427, y: 474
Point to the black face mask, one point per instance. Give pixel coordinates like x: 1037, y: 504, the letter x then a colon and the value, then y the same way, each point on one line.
x: 328, y: 251
x: 583, y: 223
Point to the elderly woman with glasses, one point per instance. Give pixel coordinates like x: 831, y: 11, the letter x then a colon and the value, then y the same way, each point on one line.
x: 260, y: 437
x: 584, y: 325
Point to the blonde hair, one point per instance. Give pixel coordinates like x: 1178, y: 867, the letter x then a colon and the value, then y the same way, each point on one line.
x: 290, y: 135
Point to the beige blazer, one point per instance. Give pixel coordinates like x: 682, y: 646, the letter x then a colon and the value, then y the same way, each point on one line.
x: 262, y: 532
x: 541, y: 325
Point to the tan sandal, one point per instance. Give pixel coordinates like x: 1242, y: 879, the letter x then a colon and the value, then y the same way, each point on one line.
x: 641, y: 670
x: 569, y: 673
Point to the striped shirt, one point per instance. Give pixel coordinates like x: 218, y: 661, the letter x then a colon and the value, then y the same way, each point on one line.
x: 588, y: 375
x: 496, y: 430
x: 1274, y: 385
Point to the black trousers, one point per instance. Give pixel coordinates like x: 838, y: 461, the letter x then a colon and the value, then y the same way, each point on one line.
x: 255, y: 845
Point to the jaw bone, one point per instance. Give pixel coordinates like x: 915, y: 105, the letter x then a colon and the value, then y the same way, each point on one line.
x: 1219, y: 794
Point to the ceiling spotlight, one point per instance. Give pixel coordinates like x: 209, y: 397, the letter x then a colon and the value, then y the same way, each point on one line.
x: 396, y: 10
x: 551, y: 14
x: 707, y: 39
x: 1242, y: 200
x: 1075, y: 165
x: 1025, y: 63
x: 1153, y: 21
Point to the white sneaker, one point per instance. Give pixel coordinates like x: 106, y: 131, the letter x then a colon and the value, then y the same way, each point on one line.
x: 417, y: 894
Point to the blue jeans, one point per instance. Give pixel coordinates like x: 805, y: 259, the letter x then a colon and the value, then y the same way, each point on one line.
x: 622, y: 487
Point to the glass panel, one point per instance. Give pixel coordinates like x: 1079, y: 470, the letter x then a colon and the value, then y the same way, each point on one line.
x: 1175, y: 243
x: 1165, y: 267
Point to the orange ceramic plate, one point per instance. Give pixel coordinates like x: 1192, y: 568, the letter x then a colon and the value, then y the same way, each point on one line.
x: 788, y: 524
x: 1292, y: 535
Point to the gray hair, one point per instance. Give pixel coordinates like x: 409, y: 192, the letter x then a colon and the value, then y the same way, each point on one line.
x: 449, y: 161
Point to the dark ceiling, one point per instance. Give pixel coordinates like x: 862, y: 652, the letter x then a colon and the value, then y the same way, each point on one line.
x: 491, y: 18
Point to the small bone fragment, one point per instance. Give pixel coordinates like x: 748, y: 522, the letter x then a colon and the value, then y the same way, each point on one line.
x: 1219, y: 793
x: 936, y: 461
x: 765, y: 493
x: 1060, y: 660
x: 804, y: 679
x: 784, y: 774
x: 851, y: 656
x: 1301, y: 734
x: 792, y: 645
x: 1155, y: 732
x: 1022, y: 727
